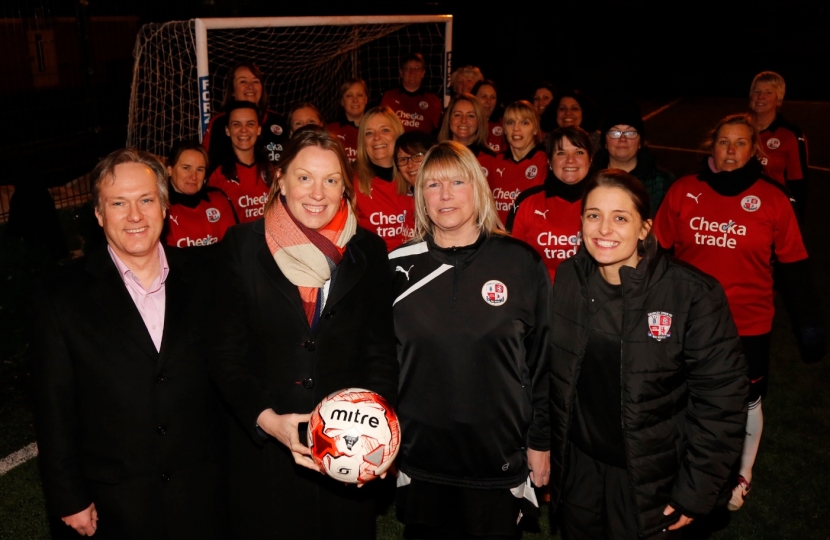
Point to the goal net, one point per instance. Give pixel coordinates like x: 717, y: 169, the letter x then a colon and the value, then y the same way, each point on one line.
x: 181, y: 67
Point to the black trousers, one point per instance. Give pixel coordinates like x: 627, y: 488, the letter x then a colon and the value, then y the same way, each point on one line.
x: 597, y: 504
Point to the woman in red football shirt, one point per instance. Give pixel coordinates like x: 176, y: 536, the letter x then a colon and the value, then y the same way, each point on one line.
x: 732, y: 222
x: 198, y: 215
x: 384, y: 205
x: 549, y: 216
x: 524, y: 163
x: 353, y: 98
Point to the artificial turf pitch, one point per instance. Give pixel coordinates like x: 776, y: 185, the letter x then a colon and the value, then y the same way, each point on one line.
x: 789, y: 499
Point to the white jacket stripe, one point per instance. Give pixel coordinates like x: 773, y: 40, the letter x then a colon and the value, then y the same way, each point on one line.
x: 432, y: 275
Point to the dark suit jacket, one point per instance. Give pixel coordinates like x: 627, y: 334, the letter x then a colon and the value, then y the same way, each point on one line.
x: 135, y: 431
x: 266, y: 355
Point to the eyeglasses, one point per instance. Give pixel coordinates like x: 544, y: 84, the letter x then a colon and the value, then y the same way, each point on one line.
x: 416, y: 159
x: 616, y: 134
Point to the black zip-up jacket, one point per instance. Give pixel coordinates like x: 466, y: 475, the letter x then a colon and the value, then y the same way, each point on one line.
x: 472, y: 325
x: 683, y: 396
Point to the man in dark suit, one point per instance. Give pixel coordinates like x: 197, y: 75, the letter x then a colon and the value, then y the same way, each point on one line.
x: 128, y: 425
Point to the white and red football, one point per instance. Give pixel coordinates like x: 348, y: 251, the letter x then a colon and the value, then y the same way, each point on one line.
x: 354, y: 435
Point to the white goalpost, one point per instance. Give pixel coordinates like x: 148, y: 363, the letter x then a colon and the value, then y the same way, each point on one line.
x: 181, y: 67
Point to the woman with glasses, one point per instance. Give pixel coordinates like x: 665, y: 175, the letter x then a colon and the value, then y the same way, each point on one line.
x: 410, y: 149
x: 623, y: 140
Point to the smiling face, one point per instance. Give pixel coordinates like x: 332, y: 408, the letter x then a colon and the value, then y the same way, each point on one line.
x: 303, y: 117
x: 450, y: 205
x: 130, y: 212
x: 243, y: 129
x: 188, y: 174
x: 246, y: 86
x: 733, y: 147
x: 541, y: 99
x: 520, y: 133
x: 313, y: 186
x: 622, y: 149
x: 380, y: 140
x: 764, y: 98
x: 409, y: 165
x: 611, y: 229
x: 463, y: 122
x: 487, y: 97
x: 354, y: 102
x: 570, y: 164
x: 568, y: 112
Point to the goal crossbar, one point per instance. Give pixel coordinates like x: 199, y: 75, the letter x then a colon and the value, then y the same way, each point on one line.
x: 201, y: 26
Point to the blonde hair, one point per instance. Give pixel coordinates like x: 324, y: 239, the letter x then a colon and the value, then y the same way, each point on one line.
x: 449, y: 160
x: 481, y: 130
x: 363, y: 166
x: 776, y: 80
x: 523, y: 110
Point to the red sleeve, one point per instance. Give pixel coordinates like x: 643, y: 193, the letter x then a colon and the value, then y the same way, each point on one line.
x: 519, y: 230
x: 665, y: 223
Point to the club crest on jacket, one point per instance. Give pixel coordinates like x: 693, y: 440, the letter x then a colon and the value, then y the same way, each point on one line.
x: 659, y: 325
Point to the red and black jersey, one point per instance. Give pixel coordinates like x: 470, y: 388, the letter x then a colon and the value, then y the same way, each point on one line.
x: 387, y: 214
x: 495, y: 137
x: 550, y: 224
x: 734, y: 239
x: 783, y: 151
x: 198, y: 220
x: 508, y: 178
x: 346, y: 132
x: 272, y: 138
x: 247, y: 192
x: 417, y: 111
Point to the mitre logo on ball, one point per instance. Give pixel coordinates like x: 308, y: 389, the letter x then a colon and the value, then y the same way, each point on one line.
x: 354, y: 435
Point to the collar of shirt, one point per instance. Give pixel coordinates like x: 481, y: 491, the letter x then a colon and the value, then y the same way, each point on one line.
x: 130, y: 278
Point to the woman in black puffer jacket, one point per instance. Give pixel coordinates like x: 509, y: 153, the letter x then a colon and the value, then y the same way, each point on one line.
x: 648, y: 382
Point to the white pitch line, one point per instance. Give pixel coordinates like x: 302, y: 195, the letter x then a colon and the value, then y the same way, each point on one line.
x: 693, y: 151
x: 661, y: 109
x: 675, y: 149
x: 17, y: 458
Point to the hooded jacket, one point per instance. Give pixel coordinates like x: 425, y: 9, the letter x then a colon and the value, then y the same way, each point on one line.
x: 683, y: 383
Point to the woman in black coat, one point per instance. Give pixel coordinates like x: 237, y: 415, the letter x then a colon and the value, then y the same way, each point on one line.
x: 648, y: 380
x: 307, y: 312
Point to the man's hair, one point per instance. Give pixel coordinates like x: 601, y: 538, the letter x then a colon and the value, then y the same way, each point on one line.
x: 106, y: 170
x: 412, y: 57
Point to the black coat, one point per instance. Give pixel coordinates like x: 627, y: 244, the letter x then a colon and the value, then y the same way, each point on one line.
x: 266, y: 355
x: 119, y: 424
x: 683, y: 397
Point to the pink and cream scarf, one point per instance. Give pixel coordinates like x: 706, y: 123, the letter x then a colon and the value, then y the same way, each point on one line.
x: 305, y: 256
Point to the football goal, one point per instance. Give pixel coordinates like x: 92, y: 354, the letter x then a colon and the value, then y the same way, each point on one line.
x: 181, y: 67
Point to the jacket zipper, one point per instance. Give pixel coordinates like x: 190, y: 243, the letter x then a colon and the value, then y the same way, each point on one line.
x: 622, y: 416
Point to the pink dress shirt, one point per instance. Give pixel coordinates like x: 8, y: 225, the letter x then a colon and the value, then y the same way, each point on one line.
x: 150, y: 301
